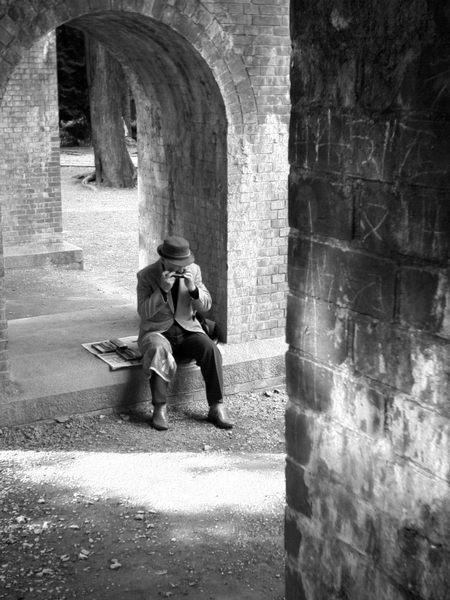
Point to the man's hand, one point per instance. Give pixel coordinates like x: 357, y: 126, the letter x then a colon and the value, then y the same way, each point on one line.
x: 167, y: 281
x: 189, y: 281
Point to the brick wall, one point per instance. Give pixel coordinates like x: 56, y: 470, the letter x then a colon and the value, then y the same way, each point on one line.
x: 368, y: 422
x: 29, y: 147
x: 258, y: 228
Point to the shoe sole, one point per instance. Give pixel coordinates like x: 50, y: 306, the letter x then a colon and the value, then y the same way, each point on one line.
x: 220, y: 424
x: 159, y: 427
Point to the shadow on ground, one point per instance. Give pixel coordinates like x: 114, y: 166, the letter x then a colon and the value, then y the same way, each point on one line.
x: 105, y: 525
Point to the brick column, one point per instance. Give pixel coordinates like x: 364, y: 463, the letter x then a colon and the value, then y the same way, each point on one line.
x: 29, y: 146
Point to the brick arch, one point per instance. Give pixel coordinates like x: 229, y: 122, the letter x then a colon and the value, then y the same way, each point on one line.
x: 192, y: 90
x: 24, y: 25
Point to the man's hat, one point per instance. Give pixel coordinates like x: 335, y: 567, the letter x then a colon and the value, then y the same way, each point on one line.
x: 176, y: 249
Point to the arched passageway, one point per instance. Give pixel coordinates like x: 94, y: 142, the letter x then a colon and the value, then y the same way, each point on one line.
x: 182, y: 133
x: 182, y: 139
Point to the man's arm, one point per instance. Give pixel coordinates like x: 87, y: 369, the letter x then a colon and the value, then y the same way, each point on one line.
x: 150, y: 298
x: 201, y: 298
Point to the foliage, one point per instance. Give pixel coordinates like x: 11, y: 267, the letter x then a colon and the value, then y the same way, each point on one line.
x: 73, y: 95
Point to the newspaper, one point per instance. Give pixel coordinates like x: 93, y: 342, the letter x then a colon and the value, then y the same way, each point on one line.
x: 118, y: 353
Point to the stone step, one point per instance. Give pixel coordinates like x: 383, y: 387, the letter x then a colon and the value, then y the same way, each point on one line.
x: 52, y: 375
x: 38, y: 255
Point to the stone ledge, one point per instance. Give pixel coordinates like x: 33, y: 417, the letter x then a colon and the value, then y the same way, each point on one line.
x: 38, y: 255
x: 247, y: 367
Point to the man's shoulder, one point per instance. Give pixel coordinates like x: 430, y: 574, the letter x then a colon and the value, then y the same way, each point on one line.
x: 149, y: 271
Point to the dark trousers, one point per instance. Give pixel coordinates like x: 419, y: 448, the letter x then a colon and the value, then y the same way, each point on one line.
x: 187, y: 345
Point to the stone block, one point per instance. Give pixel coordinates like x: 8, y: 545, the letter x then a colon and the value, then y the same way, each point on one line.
x: 77, y: 8
x: 293, y: 535
x: 294, y: 585
x: 424, y: 301
x: 61, y: 13
x: 298, y: 437
x: 422, y: 435
x: 5, y: 36
x: 37, y: 255
x: 383, y: 148
x: 385, y: 538
x: 336, y: 506
x: 413, y: 364
x: 391, y: 561
x: 430, y: 361
x: 411, y: 149
x: 413, y: 221
x: 357, y: 406
x: 321, y: 566
x: 297, y: 494
x: 45, y: 22
x: 309, y: 385
x: 361, y: 282
x: 347, y: 457
x: 22, y: 13
x: 144, y: 7
x: 383, y: 353
x: 374, y: 474
x: 8, y: 25
x: 375, y: 151
x: 422, y: 148
x: 317, y: 328
x: 320, y: 206
x: 409, y: 553
x: 420, y: 92
x: 317, y: 139
x: 98, y: 5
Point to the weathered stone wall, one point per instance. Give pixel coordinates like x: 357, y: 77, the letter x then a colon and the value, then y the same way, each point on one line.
x: 368, y: 422
x: 29, y: 150
x: 4, y: 359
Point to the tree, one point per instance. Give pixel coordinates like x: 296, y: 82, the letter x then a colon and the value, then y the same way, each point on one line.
x: 109, y: 102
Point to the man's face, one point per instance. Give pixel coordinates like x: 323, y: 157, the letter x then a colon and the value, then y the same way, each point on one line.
x: 170, y: 266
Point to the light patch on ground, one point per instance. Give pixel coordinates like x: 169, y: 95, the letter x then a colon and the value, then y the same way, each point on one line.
x: 173, y: 482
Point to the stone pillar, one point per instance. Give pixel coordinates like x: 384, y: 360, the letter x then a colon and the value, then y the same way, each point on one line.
x: 368, y: 421
x: 4, y: 360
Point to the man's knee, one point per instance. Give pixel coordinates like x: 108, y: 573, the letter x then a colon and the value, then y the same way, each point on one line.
x: 152, y: 342
x: 157, y: 356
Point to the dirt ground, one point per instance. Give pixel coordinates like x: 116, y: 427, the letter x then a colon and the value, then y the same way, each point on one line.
x: 102, y: 506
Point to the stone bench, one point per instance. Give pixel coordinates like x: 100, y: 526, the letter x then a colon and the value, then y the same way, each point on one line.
x: 53, y: 375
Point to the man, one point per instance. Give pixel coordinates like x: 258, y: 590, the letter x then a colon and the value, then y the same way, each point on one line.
x: 169, y: 293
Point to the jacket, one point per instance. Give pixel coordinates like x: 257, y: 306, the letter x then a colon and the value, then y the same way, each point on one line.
x: 157, y: 312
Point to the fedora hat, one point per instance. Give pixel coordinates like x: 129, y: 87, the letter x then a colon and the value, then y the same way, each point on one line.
x: 176, y: 249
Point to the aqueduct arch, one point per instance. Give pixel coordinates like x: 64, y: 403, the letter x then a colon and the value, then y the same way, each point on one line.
x: 182, y: 140
x: 213, y: 112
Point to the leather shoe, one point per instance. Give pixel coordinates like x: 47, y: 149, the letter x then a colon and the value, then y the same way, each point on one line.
x: 159, y: 419
x: 218, y: 416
